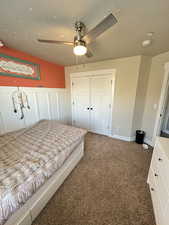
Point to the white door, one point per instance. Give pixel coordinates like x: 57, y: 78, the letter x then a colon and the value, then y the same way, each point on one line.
x: 92, y: 103
x: 81, y: 102
x: 101, y: 103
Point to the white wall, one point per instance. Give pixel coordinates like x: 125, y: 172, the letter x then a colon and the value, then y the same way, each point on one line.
x: 127, y: 76
x: 45, y: 103
x: 153, y: 93
x: 137, y: 91
x: 140, y: 99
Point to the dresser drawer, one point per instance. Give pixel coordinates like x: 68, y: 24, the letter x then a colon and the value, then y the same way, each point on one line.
x: 161, y: 155
x: 166, y: 215
x: 158, y: 180
x: 162, y: 193
x: 160, y: 172
x: 162, y: 168
x: 151, y: 180
x: 154, y: 197
x: 154, y: 163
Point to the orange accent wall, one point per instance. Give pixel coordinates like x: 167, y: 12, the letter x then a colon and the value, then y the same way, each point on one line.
x: 51, y: 75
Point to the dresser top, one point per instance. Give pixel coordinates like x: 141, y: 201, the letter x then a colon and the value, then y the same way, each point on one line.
x: 164, y: 144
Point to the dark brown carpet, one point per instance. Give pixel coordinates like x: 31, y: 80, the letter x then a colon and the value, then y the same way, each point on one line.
x: 108, y: 187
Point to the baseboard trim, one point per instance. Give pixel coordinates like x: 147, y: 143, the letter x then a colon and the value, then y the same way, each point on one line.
x: 123, y: 138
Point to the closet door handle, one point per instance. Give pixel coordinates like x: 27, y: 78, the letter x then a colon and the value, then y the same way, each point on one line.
x: 88, y: 108
x: 91, y: 108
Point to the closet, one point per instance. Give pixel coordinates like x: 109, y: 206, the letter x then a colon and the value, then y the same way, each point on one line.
x: 92, y: 102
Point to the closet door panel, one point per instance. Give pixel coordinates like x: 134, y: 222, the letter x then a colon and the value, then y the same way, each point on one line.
x: 101, y: 99
x: 80, y: 102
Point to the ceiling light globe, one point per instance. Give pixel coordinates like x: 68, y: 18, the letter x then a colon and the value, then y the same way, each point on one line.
x: 80, y: 48
x: 146, y: 43
x: 1, y: 44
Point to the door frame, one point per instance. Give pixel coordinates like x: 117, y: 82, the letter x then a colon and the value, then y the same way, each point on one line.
x: 165, y: 118
x: 161, y: 105
x: 94, y: 73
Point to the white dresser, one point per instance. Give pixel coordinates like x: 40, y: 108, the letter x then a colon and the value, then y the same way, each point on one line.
x: 158, y: 180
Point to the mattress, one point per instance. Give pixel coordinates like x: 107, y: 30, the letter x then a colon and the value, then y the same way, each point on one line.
x: 29, y: 157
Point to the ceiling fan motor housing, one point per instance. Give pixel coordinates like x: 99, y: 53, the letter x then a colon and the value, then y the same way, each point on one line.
x: 80, y: 30
x: 79, y: 43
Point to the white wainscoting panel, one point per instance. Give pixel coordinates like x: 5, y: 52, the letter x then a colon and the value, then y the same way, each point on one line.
x: 64, y: 111
x: 54, y: 110
x: 45, y: 103
x: 9, y: 120
x: 32, y: 115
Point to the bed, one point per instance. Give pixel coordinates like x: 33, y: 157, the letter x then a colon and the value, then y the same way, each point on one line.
x: 34, y: 162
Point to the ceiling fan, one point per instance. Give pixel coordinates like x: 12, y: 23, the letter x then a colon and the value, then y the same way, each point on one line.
x: 82, y: 39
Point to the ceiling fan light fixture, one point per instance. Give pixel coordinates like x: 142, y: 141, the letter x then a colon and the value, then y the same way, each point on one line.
x: 1, y: 44
x: 80, y: 48
x: 82, y: 37
x: 146, y: 43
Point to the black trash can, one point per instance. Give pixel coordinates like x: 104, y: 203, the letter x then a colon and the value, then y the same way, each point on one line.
x: 140, y: 134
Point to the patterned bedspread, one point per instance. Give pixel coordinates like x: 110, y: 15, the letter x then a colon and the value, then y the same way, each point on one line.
x: 30, y: 156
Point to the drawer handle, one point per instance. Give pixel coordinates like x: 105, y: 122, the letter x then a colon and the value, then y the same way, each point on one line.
x: 156, y: 175
x: 152, y: 189
x: 159, y: 159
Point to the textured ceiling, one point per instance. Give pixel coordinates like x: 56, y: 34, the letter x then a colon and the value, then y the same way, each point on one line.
x: 22, y: 22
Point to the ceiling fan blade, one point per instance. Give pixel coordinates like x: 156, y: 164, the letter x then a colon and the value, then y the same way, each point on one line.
x: 104, y: 25
x: 88, y: 53
x: 56, y: 42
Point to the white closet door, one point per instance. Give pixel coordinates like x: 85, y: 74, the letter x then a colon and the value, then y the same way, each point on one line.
x: 101, y: 100
x: 80, y: 102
